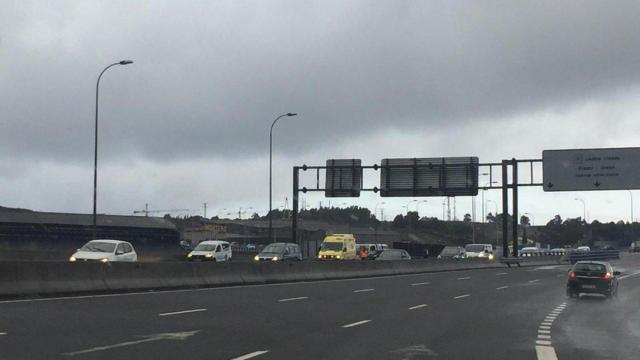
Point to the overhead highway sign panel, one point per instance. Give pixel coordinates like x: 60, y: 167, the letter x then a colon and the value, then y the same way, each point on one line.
x: 591, y: 169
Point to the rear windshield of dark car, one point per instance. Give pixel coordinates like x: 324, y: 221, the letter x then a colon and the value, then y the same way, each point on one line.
x: 590, y: 267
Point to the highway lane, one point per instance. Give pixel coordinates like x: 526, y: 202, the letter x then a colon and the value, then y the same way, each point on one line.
x: 596, y: 328
x: 491, y: 314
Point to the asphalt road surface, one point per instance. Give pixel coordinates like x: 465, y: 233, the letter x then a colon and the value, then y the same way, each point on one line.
x: 518, y: 313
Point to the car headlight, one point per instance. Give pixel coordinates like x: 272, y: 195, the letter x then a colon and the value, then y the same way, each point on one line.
x: 490, y: 256
x: 337, y: 256
x: 275, y: 258
x: 72, y: 258
x: 256, y: 258
x: 189, y: 255
x: 319, y: 256
x: 209, y: 256
x: 104, y: 260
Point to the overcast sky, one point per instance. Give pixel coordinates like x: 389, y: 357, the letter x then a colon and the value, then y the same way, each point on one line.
x: 188, y: 122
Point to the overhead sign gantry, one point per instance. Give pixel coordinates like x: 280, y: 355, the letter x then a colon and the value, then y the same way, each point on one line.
x: 562, y: 170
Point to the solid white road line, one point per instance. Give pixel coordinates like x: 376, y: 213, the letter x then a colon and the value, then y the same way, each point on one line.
x: 251, y: 355
x: 363, y: 290
x: 501, y: 287
x: 356, y: 324
x: 293, y: 299
x: 417, y: 306
x: 500, y: 274
x: 629, y: 275
x: 182, y: 312
x: 464, y: 278
x: 420, y: 283
x: 462, y: 296
x: 546, y: 353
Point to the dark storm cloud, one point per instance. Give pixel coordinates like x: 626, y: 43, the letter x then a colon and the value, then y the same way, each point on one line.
x: 209, y: 77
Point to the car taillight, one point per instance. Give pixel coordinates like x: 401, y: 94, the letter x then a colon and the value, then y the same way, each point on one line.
x: 572, y: 274
x: 606, y: 276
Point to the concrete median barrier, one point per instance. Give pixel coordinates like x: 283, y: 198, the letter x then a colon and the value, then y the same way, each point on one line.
x: 20, y: 279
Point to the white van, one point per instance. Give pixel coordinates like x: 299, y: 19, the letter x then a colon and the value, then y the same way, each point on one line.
x: 484, y: 251
x: 211, y: 250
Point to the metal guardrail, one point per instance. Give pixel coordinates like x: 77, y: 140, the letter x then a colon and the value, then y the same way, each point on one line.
x: 542, y: 253
x: 595, y: 255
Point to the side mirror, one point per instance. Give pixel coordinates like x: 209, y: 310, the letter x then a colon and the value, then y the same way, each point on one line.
x: 119, y: 252
x: 616, y: 273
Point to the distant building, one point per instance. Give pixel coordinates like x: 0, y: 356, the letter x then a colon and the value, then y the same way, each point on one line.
x: 31, y: 230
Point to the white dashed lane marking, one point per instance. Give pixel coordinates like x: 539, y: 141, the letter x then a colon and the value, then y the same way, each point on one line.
x: 363, y: 290
x: 462, y: 296
x: 501, y: 287
x: 356, y: 323
x: 417, y: 306
x: 181, y: 312
x: 251, y: 355
x: 293, y: 299
x: 3, y: 333
x: 544, y: 347
x: 533, y: 281
x: 420, y: 283
x: 500, y: 274
x: 464, y: 278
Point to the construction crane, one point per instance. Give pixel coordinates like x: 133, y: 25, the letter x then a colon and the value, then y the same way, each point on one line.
x: 146, y: 210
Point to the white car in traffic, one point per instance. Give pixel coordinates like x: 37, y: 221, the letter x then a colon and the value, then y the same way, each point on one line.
x: 105, y: 251
x: 211, y: 250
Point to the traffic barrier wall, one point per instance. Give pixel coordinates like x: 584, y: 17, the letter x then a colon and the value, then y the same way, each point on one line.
x: 47, y: 278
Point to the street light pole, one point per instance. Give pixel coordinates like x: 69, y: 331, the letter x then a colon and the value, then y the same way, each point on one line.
x: 584, y: 209
x: 270, y: 172
x: 531, y: 217
x: 418, y: 207
x: 95, y: 150
x: 409, y: 204
x: 376, y: 208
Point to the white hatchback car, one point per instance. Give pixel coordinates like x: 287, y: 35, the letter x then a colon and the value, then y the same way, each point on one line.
x: 105, y: 251
x: 211, y: 250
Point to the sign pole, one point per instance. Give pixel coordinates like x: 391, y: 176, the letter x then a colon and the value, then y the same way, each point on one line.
x: 505, y: 210
x: 294, y: 212
x: 514, y: 194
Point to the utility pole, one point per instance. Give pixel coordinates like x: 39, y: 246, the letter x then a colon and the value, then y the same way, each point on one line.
x: 205, y: 210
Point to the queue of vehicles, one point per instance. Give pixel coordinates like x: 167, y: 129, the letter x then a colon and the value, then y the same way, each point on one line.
x: 333, y: 247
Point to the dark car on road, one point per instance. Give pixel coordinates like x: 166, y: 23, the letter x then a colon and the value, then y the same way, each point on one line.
x: 280, y: 252
x: 392, y: 254
x: 592, y: 277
